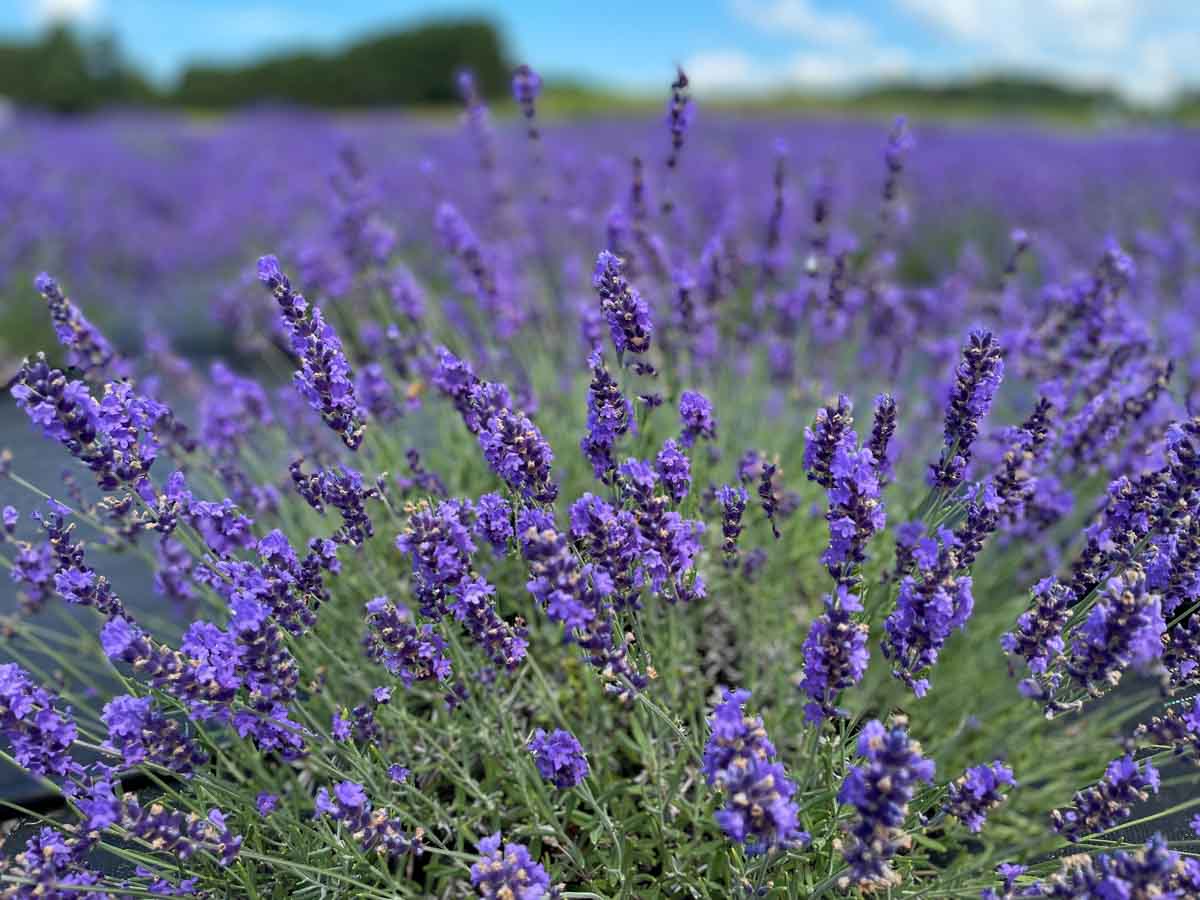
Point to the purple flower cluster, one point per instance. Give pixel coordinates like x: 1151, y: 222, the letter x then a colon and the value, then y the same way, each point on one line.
x: 559, y: 757
x: 611, y: 540
x: 977, y: 377
x: 931, y: 603
x: 627, y: 313
x: 373, y: 830
x: 880, y: 790
x: 324, y: 378
x: 509, y: 873
x: 344, y: 490
x: 40, y: 733
x: 835, y: 655
x: 577, y: 597
x: 610, y: 415
x: 759, y: 811
x: 1123, y: 630
x: 733, y: 499
x: 1109, y: 801
x: 976, y: 793
x: 674, y: 469
x: 114, y: 437
x: 671, y: 543
x: 141, y: 733
x: 856, y: 510
x: 87, y: 348
x: 696, y: 415
x: 410, y: 652
x: 1151, y: 871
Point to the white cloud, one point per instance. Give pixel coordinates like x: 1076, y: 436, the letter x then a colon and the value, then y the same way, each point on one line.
x: 45, y: 11
x: 732, y: 71
x: 799, y: 18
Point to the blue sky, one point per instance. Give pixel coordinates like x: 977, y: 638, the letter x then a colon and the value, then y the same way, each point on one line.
x: 1145, y: 48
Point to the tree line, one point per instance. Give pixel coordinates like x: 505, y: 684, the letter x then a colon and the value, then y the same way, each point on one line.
x: 67, y: 73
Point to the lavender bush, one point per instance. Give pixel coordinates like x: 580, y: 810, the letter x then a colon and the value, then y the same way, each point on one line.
x: 527, y: 544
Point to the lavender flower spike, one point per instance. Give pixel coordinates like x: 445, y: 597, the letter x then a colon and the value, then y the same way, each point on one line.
x: 627, y: 313
x: 880, y: 790
x: 977, y: 377
x: 87, y: 348
x: 324, y: 378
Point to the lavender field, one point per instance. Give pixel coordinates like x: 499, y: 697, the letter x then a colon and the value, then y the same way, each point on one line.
x: 691, y: 506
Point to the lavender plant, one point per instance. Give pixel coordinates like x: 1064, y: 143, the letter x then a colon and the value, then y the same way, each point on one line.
x: 560, y: 567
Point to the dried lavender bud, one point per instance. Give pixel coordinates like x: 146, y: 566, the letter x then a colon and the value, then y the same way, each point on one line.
x: 324, y: 378
x: 880, y: 790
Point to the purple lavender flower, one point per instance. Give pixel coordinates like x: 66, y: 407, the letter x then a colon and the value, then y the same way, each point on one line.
x: 680, y: 111
x: 474, y: 605
x: 1109, y: 801
x: 52, y: 858
x: 373, y: 830
x: 856, y: 510
x: 610, y: 538
x: 1151, y: 871
x: 40, y: 733
x: 696, y: 414
x: 516, y: 451
x: 231, y: 410
x: 977, y: 377
x: 759, y: 811
x: 559, y: 758
x: 344, y: 490
x: 114, y: 437
x: 880, y: 790
x: 673, y: 540
x: 1123, y: 630
x: 141, y: 733
x: 823, y: 438
x: 883, y: 427
x: 931, y: 603
x: 494, y: 522
x: 438, y: 541
x: 409, y: 652
x: 627, y: 314
x: 1038, y: 635
x: 835, y: 655
x: 733, y: 499
x: 610, y: 415
x: 526, y: 85
x: 577, y: 597
x: 324, y: 377
x: 977, y: 792
x: 674, y: 469
x: 266, y: 803
x: 509, y: 873
x: 87, y: 348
